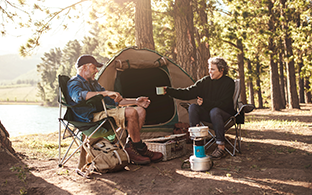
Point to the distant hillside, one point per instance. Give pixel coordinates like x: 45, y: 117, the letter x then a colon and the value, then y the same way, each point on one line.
x: 32, y: 74
x: 13, y: 66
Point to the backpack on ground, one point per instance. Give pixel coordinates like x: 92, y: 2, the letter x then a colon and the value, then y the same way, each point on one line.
x: 104, y: 156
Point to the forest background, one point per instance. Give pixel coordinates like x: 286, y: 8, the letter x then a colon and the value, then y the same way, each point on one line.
x: 267, y: 43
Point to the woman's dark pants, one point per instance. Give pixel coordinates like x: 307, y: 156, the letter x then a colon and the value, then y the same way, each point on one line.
x: 216, y: 116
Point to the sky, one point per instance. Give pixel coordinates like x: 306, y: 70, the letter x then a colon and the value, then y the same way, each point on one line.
x: 10, y: 44
x: 57, y: 37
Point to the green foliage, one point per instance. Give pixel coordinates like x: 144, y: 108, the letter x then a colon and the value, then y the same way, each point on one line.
x: 21, y: 172
x: 113, y: 29
x: 22, y: 175
x: 48, y: 85
x: 13, y: 13
x: 116, y: 25
x: 40, y: 17
x: 71, y: 52
x: 163, y: 28
x: 59, y: 61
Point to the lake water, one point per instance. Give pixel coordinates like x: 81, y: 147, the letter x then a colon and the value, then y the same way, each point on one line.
x: 29, y: 119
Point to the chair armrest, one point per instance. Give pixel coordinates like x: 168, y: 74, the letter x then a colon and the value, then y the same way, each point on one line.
x: 93, y: 102
x: 246, y: 108
x: 90, y: 102
x: 95, y: 98
x: 96, y: 101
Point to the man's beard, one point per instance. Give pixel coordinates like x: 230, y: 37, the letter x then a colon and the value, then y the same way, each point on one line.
x: 91, y: 77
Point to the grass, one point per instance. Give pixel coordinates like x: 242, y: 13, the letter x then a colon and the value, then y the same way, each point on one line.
x: 19, y: 93
x: 290, y: 118
x: 40, y: 146
x: 21, y: 173
x: 273, y: 123
x: 16, y: 86
x: 45, y: 146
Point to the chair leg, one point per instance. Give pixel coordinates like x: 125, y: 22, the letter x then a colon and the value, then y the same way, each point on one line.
x: 210, y: 142
x: 240, y: 138
x: 237, y: 141
x: 121, y: 135
x: 233, y: 146
x: 64, y: 161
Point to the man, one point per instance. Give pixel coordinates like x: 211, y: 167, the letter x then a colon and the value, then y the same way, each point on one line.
x: 84, y: 86
x: 214, y: 95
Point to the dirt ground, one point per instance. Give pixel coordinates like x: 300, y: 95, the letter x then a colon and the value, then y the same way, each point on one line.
x: 275, y: 159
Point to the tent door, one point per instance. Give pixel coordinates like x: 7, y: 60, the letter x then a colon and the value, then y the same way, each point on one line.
x: 132, y: 83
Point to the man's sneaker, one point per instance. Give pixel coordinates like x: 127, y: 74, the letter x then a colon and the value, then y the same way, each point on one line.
x: 153, y: 156
x: 135, y: 157
x: 218, y: 153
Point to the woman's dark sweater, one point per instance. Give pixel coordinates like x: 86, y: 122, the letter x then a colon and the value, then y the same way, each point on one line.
x: 215, y: 93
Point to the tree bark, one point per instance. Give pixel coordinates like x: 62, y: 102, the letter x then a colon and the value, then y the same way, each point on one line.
x: 185, y: 43
x: 5, y: 143
x: 275, y: 88
x: 241, y: 71
x: 202, y: 39
x: 250, y: 84
x: 274, y: 78
x: 300, y: 65
x: 308, y: 96
x: 301, y: 81
x: 258, y: 84
x: 143, y: 25
x: 282, y: 80
x: 290, y: 64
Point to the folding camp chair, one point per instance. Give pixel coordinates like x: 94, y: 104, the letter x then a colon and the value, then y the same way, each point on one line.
x: 73, y: 128
x: 234, y: 121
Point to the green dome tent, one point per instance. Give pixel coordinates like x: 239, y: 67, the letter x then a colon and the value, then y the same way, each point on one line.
x: 137, y: 72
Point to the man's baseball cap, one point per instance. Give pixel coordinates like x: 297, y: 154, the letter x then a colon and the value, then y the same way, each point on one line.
x: 86, y: 59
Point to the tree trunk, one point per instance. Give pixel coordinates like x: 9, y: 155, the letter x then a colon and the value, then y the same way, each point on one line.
x: 275, y: 88
x: 290, y: 64
x: 186, y: 48
x: 250, y: 84
x: 282, y: 80
x: 240, y: 61
x: 143, y: 25
x: 274, y: 78
x: 202, y: 39
x: 301, y: 80
x: 258, y: 83
x: 291, y: 77
x: 5, y: 143
x: 308, y: 97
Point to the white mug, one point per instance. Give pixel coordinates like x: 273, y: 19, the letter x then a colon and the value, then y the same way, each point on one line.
x: 160, y: 90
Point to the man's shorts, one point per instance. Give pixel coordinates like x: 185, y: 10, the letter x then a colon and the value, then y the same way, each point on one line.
x: 117, y: 113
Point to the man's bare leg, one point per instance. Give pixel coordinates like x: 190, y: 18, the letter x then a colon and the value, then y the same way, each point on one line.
x: 142, y: 114
x: 135, y: 118
x: 134, y: 122
x: 133, y: 127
